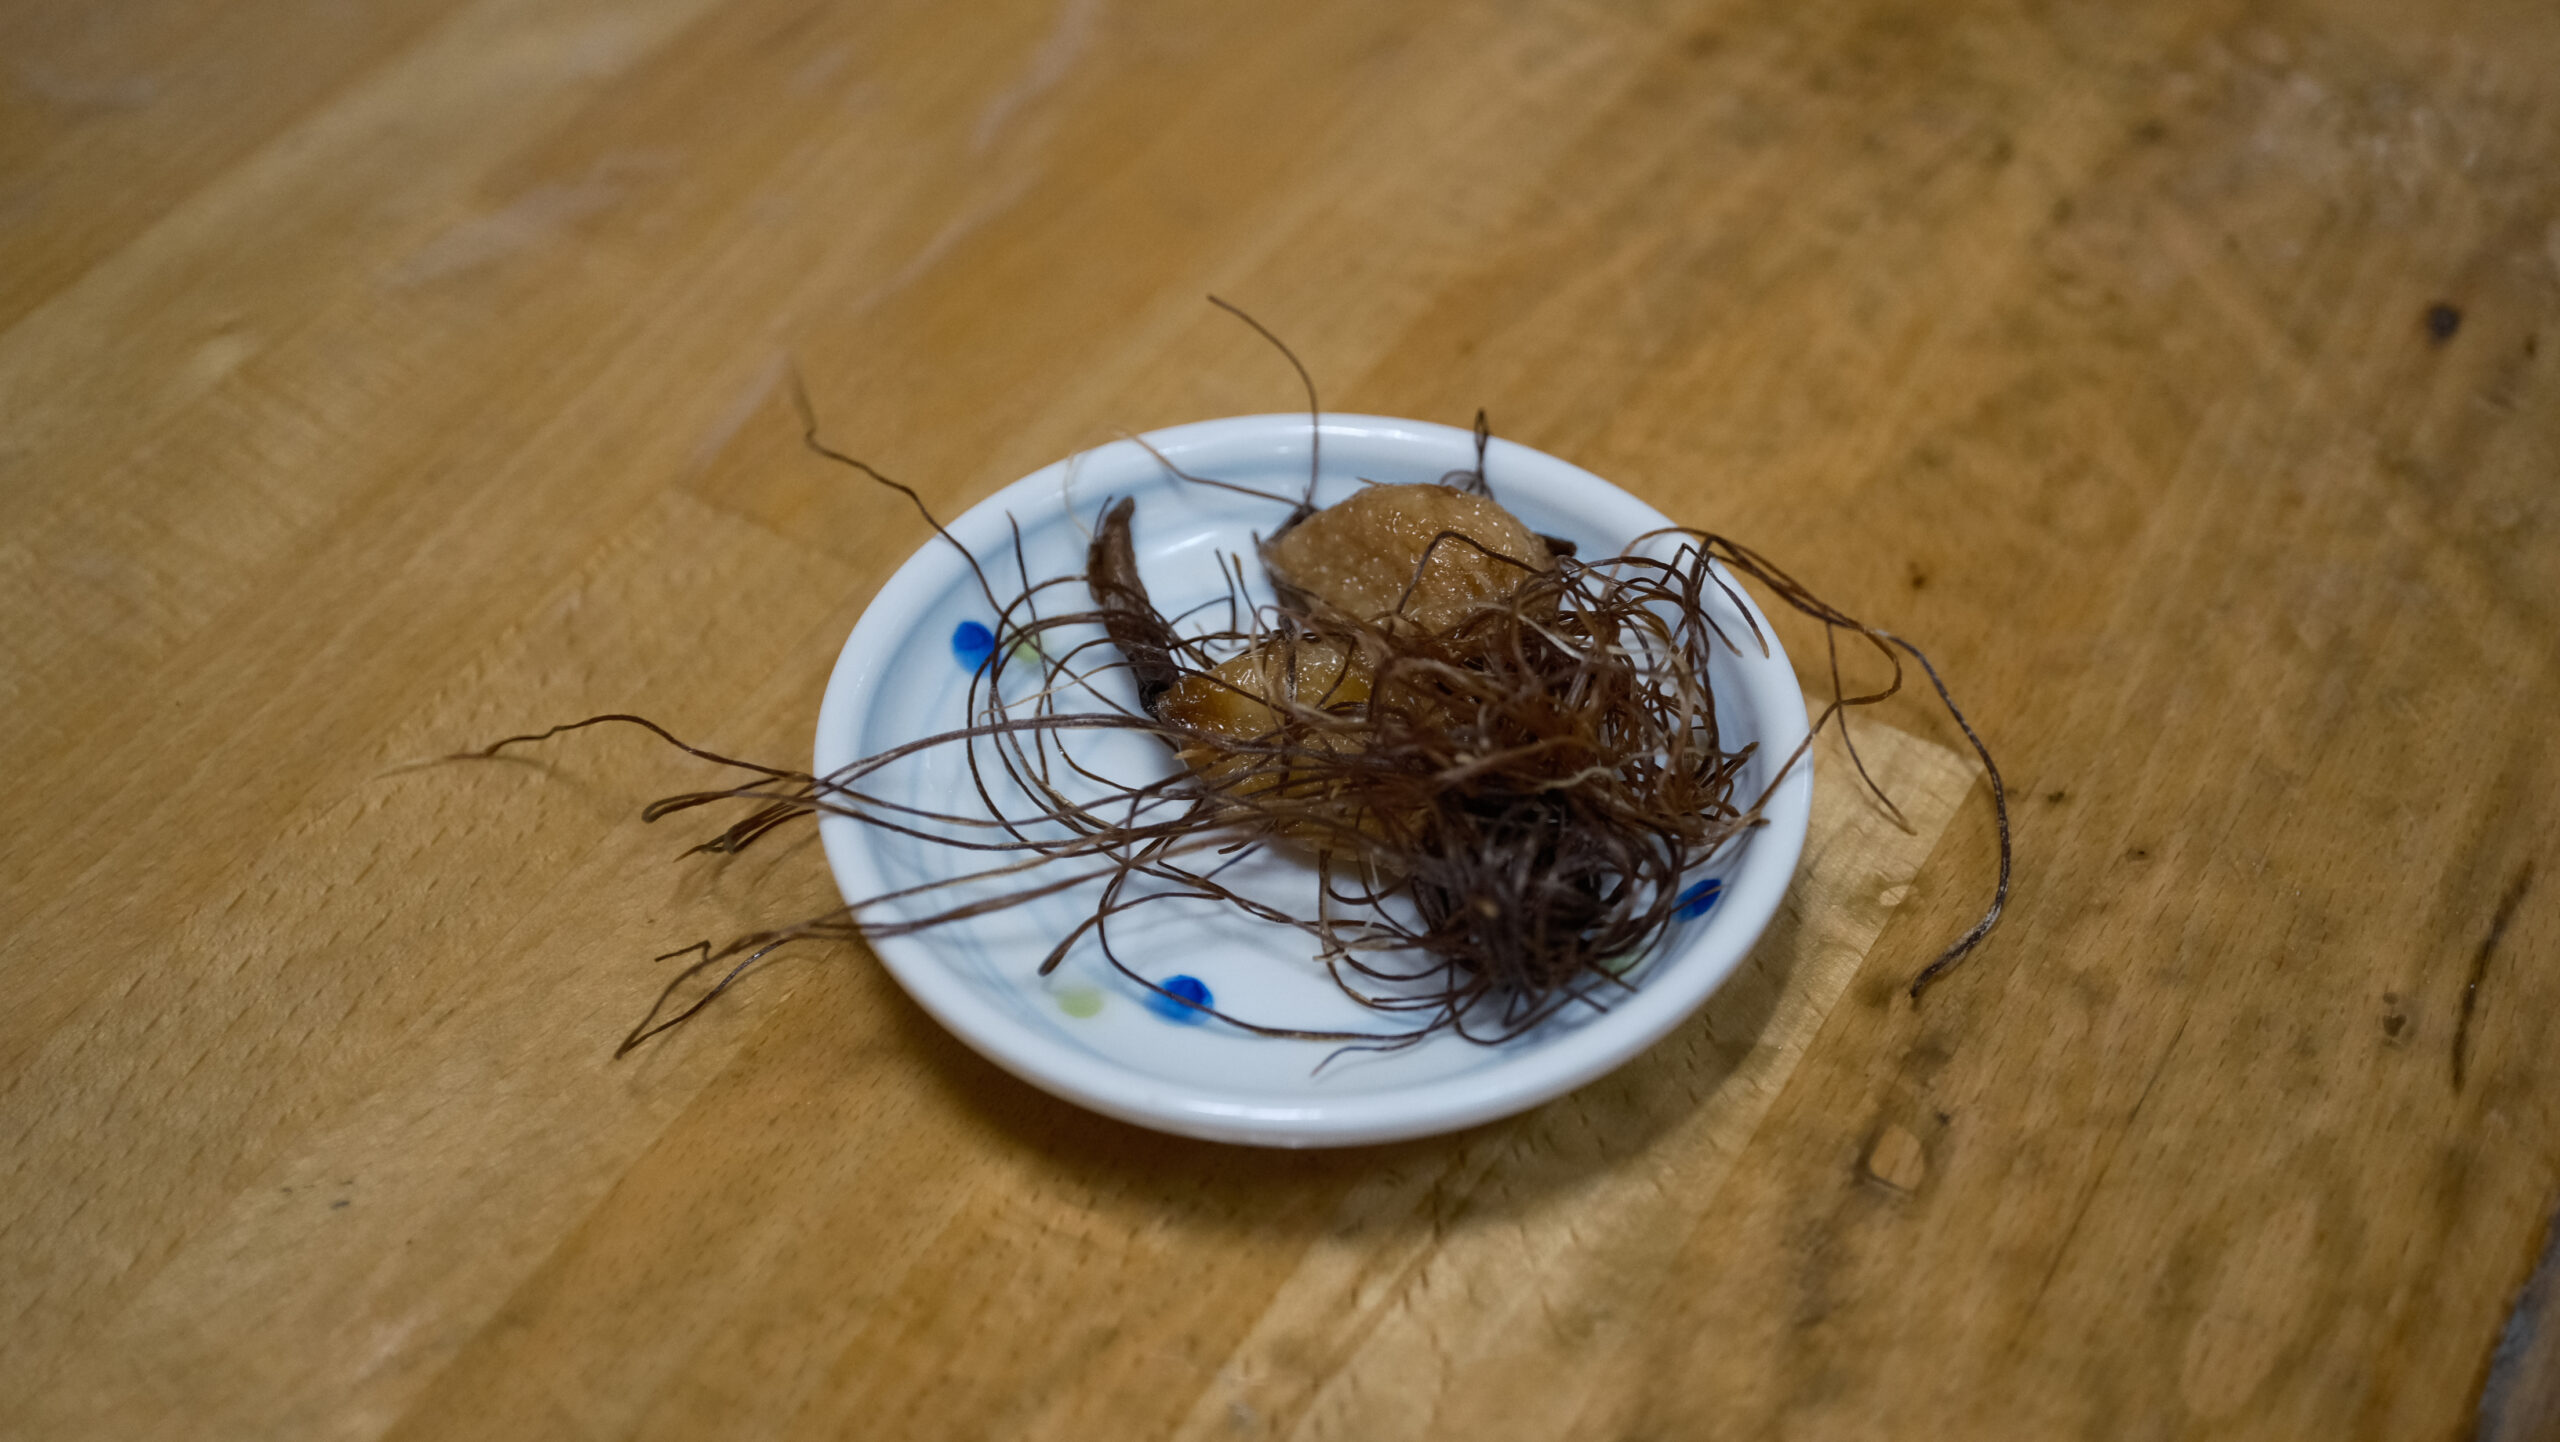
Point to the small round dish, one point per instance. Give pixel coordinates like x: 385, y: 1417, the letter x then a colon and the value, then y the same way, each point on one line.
x: 1088, y: 1034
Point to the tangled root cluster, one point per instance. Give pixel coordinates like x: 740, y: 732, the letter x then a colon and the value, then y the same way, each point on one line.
x: 1501, y: 813
x: 1500, y: 809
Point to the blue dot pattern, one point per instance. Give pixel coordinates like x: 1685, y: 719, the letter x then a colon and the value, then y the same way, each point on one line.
x: 1700, y: 899
x: 1189, y: 989
x: 972, y: 643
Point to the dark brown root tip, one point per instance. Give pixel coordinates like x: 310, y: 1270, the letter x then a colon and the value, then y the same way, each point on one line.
x: 1315, y: 411
x: 1131, y: 620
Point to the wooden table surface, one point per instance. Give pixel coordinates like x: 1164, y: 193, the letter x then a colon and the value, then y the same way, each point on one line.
x: 379, y: 379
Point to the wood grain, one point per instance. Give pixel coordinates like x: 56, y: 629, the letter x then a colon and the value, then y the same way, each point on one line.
x: 378, y: 380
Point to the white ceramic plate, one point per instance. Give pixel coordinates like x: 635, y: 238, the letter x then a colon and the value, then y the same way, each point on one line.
x: 1090, y: 1035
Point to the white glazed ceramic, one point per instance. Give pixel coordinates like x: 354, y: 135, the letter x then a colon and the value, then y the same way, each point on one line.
x: 1091, y: 1036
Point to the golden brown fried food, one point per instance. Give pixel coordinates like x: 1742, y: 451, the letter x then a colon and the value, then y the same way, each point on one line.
x: 1365, y: 558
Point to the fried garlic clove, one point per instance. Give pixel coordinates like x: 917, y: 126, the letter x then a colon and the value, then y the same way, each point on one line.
x: 1426, y: 554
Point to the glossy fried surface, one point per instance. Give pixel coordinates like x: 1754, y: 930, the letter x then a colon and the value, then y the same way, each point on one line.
x: 1426, y: 554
